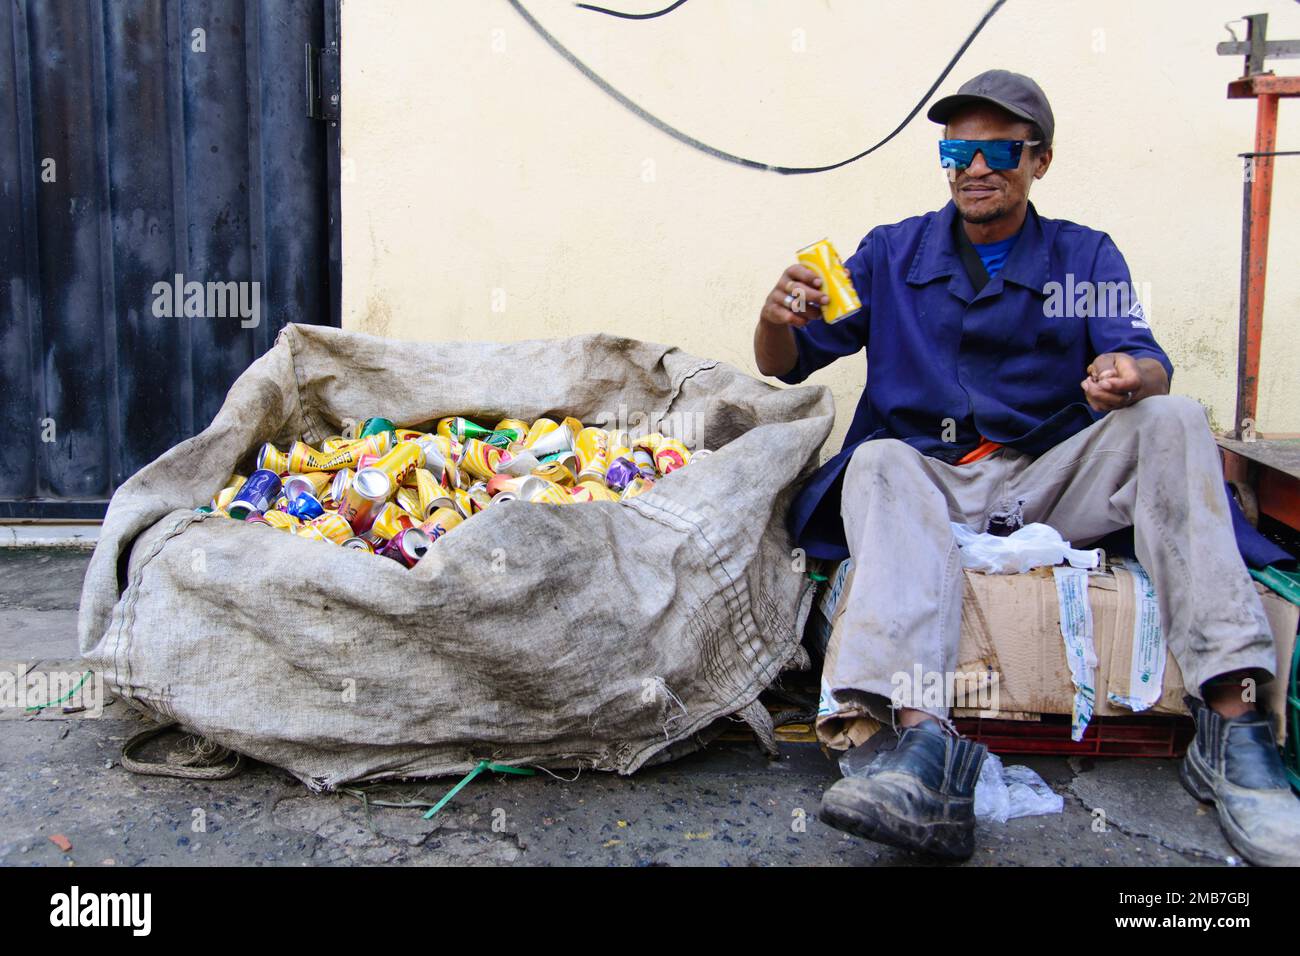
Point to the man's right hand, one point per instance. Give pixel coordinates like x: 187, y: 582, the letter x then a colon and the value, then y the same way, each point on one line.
x: 796, y: 299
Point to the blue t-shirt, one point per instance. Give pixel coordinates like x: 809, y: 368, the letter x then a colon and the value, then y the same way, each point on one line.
x: 994, y: 254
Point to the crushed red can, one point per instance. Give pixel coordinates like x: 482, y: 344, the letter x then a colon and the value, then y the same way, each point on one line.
x: 408, y: 546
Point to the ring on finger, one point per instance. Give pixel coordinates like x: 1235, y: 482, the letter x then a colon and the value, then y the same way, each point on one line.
x: 789, y: 301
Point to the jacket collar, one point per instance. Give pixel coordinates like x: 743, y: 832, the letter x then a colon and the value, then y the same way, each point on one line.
x: 938, y: 255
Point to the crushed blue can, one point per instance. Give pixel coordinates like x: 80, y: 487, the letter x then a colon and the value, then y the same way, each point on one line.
x: 306, y: 506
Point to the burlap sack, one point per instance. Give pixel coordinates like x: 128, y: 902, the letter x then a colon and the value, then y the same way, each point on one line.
x: 599, y: 635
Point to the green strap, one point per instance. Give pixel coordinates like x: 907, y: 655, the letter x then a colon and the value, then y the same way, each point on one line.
x: 502, y: 768
x: 482, y: 765
x: 1284, y: 583
x: 64, y: 697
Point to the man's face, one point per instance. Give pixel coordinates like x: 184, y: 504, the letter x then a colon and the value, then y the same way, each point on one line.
x: 983, y: 195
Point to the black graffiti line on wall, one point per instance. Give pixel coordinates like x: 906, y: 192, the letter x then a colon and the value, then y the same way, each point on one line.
x: 630, y: 16
x: 691, y: 141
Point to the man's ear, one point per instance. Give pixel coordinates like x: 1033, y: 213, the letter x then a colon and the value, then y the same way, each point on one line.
x: 1043, y: 160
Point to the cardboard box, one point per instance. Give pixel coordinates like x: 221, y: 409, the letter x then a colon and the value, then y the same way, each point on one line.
x: 1011, y: 632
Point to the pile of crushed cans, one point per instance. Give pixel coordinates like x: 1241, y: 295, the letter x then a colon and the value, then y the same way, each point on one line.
x: 394, y: 491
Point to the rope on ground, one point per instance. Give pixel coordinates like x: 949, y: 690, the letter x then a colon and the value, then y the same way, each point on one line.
x: 206, y: 760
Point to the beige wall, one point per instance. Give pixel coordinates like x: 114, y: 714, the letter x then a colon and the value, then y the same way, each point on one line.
x: 482, y: 171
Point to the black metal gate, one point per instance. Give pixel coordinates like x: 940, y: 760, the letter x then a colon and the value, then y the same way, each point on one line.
x: 167, y: 204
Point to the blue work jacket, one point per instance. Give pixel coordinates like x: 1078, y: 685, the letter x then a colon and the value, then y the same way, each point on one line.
x: 947, y: 365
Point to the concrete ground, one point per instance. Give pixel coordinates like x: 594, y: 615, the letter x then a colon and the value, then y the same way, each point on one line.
x: 60, y: 776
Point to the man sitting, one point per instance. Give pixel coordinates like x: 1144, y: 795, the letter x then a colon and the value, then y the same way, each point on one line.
x: 985, y: 389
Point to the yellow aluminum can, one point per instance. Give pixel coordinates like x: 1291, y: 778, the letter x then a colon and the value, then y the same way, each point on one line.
x: 822, y: 259
x: 440, y: 522
x: 620, y: 446
x: 478, y: 496
x: 408, y: 499
x: 431, y: 495
x: 671, y: 455
x: 303, y: 458
x: 282, y: 520
x: 227, y: 494
x: 592, y: 446
x: 546, y: 492
x: 480, y: 459
x: 379, y: 443
x: 648, y: 443
x: 392, y: 519
x: 272, y: 459
x: 405, y: 457
x: 543, y: 426
x: 554, y: 471
x: 318, y: 482
x: 332, y: 527
x: 592, y: 489
x: 637, y: 486
x: 462, y: 502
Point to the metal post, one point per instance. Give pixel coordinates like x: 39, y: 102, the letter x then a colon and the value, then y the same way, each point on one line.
x: 1258, y: 198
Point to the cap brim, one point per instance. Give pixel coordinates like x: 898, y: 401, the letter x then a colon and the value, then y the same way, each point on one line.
x: 943, y: 109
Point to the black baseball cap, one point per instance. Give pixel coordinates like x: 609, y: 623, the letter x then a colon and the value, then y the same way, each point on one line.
x: 1014, y: 92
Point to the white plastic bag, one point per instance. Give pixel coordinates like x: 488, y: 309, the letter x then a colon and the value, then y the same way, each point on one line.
x: 1033, y: 546
x: 1028, y: 794
x: 991, y: 799
x: 1002, y: 794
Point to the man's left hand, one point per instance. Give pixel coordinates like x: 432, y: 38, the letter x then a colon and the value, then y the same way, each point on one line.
x: 1114, y: 381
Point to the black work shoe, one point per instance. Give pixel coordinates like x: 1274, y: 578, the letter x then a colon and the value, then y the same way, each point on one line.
x: 1234, y: 764
x: 918, y: 795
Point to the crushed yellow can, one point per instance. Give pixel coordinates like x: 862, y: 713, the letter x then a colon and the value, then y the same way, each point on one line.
x: 822, y: 259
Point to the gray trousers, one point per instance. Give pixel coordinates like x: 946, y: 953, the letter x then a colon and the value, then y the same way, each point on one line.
x: 1153, y: 465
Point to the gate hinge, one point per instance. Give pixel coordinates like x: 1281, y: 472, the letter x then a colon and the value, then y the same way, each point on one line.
x: 322, y: 86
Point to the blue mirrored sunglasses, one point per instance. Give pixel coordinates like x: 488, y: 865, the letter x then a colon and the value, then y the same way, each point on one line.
x: 998, y: 153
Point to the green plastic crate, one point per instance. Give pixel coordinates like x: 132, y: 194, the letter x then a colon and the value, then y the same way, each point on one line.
x: 1287, y: 584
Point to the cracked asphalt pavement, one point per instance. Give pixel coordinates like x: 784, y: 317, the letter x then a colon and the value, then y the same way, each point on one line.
x: 61, y: 778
